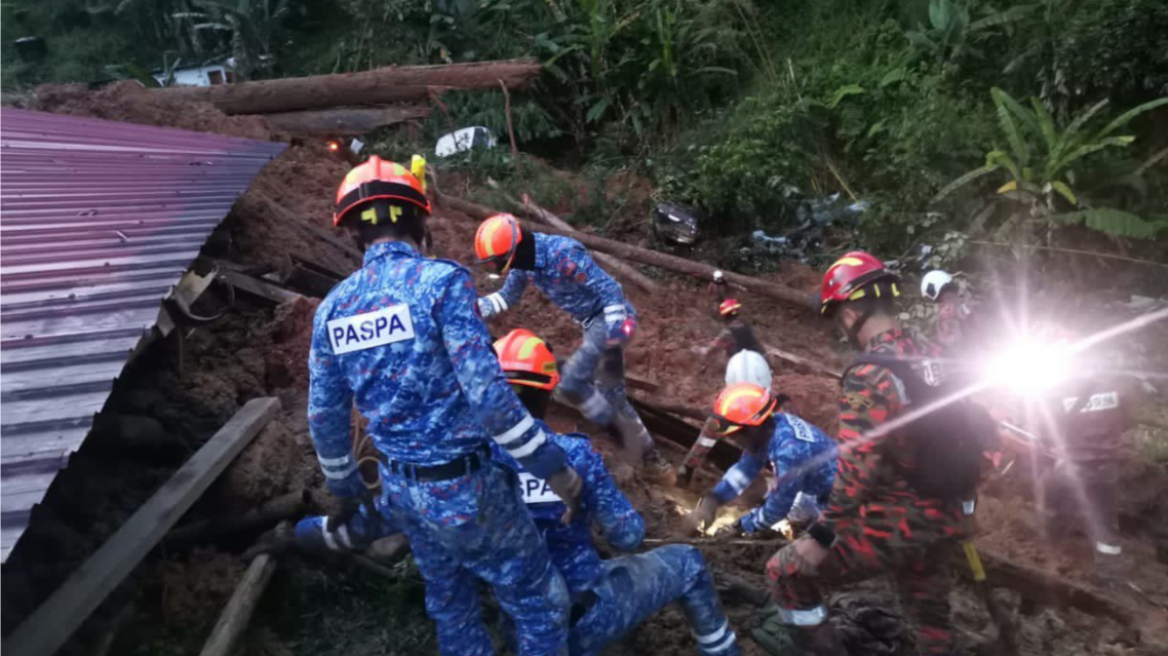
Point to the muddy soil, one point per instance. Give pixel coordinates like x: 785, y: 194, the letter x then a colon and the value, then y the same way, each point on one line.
x: 260, y: 350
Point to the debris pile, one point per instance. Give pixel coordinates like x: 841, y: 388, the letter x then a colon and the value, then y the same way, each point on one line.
x: 284, y: 221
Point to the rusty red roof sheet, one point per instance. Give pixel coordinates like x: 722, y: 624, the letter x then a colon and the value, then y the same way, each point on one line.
x: 98, y: 220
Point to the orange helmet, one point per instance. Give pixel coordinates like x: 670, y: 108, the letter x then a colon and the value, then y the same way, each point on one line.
x: 527, y: 360
x: 376, y: 179
x: 729, y: 307
x: 496, y: 241
x: 741, y: 405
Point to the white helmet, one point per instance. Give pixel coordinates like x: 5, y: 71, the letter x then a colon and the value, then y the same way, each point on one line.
x: 934, y: 282
x: 749, y: 367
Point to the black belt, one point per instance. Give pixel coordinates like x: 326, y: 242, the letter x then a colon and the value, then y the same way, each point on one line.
x: 456, y: 468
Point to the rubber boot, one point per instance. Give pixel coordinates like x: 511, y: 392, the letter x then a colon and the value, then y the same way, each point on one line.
x: 779, y: 639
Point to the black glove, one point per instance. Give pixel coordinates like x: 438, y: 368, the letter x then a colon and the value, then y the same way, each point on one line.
x: 349, y: 507
x: 567, y: 485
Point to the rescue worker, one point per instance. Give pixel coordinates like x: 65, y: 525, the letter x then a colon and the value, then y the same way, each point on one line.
x: 400, y: 337
x: 875, y: 522
x: 1086, y: 416
x: 594, y: 376
x: 802, y: 456
x: 610, y: 597
x: 952, y: 312
x: 745, y: 363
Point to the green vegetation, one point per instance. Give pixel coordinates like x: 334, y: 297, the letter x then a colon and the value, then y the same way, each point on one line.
x: 745, y: 108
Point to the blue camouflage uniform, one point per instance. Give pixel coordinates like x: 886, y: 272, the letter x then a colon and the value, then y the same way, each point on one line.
x: 401, y: 338
x: 362, y: 530
x: 611, y: 597
x: 566, y: 273
x: 804, y: 460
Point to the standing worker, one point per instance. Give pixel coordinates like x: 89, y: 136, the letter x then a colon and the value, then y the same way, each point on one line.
x: 745, y: 363
x: 401, y: 339
x: 1086, y: 416
x: 896, y: 502
x: 803, y: 458
x: 610, y: 597
x: 594, y: 376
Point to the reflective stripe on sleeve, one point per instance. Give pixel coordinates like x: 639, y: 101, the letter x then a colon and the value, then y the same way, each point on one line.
x: 339, y: 474
x: 529, y: 447
x: 515, y: 431
x: 497, y: 300
x: 335, y: 462
x: 707, y: 442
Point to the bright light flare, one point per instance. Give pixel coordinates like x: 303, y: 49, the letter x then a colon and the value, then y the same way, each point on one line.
x: 1030, y: 366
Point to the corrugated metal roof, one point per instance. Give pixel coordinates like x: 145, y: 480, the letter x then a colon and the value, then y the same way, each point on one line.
x: 98, y: 219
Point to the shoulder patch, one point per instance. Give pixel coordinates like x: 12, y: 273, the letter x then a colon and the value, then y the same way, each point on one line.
x: 800, y: 428
x: 377, y: 328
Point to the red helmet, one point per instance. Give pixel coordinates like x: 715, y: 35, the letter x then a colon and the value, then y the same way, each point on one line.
x: 496, y: 241
x: 527, y: 360
x: 741, y: 405
x: 729, y: 307
x: 845, y: 280
x: 377, y: 179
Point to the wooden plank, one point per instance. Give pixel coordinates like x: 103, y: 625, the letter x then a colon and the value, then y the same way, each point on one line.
x: 237, y: 613
x: 43, y: 633
x: 257, y: 287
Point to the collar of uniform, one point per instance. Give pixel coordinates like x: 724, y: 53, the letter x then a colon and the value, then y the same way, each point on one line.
x: 540, y: 260
x: 886, y: 337
x: 389, y: 248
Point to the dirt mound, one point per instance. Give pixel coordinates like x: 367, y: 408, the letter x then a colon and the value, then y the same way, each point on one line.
x: 129, y: 101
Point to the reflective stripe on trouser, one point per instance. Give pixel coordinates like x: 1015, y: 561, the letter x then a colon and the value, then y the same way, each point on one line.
x: 918, y: 564
x: 593, y: 382
x: 472, y: 528
x: 359, y: 532
x: 632, y: 588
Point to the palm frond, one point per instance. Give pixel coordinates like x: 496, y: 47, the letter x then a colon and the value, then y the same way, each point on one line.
x: 1113, y: 222
x: 1127, y: 116
x: 1009, y: 127
x: 964, y: 180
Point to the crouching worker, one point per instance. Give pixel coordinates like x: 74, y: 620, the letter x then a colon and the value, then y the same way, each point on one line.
x: 594, y: 376
x: 609, y: 597
x: 400, y: 339
x: 803, y: 458
x: 745, y: 363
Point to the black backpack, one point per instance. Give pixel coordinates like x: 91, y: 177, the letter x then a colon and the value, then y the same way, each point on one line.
x: 948, y: 441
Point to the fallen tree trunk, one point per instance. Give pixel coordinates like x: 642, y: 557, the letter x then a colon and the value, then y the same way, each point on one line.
x: 283, y: 507
x: 392, y: 84
x: 528, y: 209
x: 646, y: 256
x: 344, y: 121
x: 817, y: 367
x: 1049, y: 588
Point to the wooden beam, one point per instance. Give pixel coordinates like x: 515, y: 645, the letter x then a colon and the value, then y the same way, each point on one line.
x: 237, y: 613
x: 43, y: 633
x: 257, y: 287
x: 528, y: 209
x: 646, y: 256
